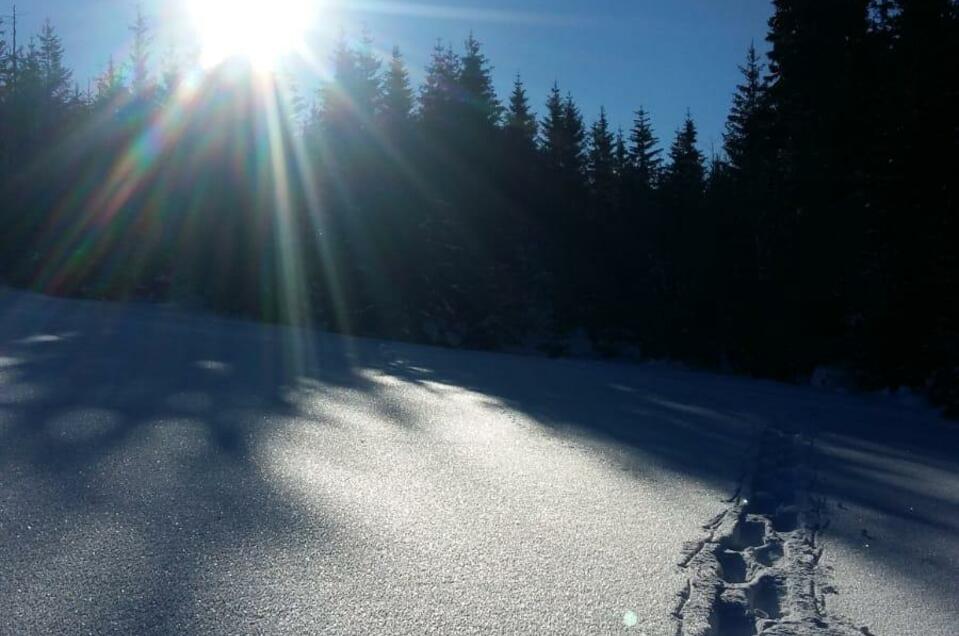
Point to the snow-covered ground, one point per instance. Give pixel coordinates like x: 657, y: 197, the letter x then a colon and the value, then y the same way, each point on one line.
x: 892, y: 548
x: 169, y: 473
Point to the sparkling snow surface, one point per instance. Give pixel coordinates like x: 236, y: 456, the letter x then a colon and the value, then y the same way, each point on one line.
x: 170, y: 473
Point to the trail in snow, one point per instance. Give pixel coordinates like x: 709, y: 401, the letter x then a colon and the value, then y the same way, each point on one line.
x: 757, y: 570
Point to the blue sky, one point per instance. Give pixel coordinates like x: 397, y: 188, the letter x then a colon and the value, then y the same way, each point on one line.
x: 668, y: 55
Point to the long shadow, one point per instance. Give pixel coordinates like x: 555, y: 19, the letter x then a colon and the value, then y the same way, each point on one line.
x: 84, y: 387
x: 127, y: 437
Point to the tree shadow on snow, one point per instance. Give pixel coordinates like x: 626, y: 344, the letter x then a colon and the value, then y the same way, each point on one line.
x: 145, y: 424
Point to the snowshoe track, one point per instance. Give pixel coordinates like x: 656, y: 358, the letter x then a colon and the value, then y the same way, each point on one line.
x: 755, y: 571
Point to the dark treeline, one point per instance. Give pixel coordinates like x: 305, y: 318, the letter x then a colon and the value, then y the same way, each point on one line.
x: 824, y: 234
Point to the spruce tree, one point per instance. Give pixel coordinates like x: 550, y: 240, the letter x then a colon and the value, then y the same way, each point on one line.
x: 818, y: 67
x: 747, y: 128
x: 553, y: 130
x: 336, y: 95
x: 34, y: 104
x: 686, y: 175
x: 437, y: 95
x: 816, y: 73
x: 366, y: 87
x: 521, y: 125
x: 475, y: 84
x: 575, y: 132
x: 687, y: 246
x: 741, y: 193
x: 601, y: 166
x: 55, y: 77
x: 563, y: 135
x: 111, y: 86
x: 644, y: 155
x: 140, y: 56
x: 397, y: 106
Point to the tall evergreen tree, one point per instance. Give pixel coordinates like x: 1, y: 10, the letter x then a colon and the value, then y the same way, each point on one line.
x: 475, y: 83
x: 111, y: 87
x: 398, y: 99
x: 365, y: 88
x: 747, y: 132
x: 575, y: 131
x: 521, y: 125
x: 54, y: 75
x: 687, y: 248
x: 140, y: 55
x: 818, y: 64
x: 743, y: 186
x: 686, y: 175
x: 643, y: 152
x: 339, y: 111
x: 553, y: 130
x: 439, y: 91
x: 602, y: 161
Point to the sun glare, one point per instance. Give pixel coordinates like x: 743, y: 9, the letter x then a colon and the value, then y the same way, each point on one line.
x: 262, y: 31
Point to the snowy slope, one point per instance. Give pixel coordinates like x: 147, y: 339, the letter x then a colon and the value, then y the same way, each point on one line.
x: 162, y: 472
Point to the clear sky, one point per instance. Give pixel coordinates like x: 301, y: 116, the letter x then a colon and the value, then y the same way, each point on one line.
x: 668, y: 55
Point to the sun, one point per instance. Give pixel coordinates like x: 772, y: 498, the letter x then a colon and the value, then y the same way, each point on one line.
x: 262, y: 31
